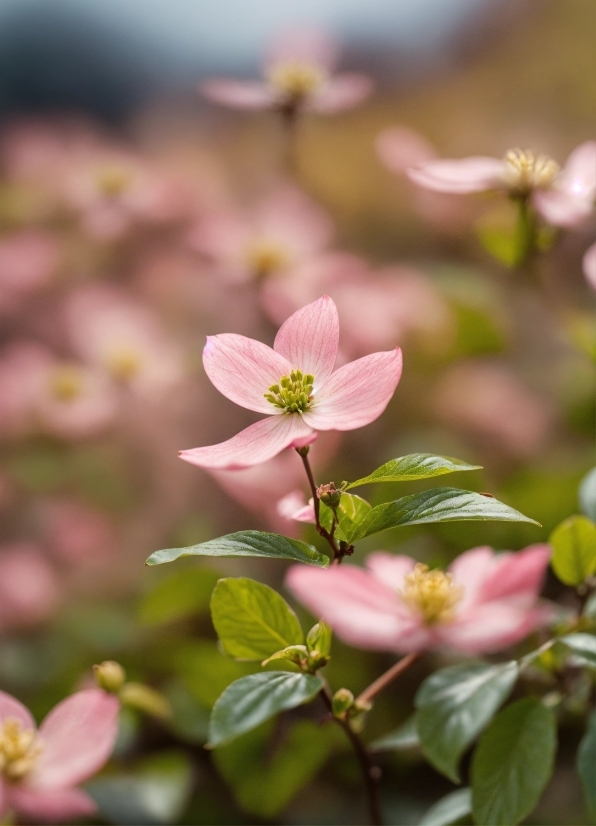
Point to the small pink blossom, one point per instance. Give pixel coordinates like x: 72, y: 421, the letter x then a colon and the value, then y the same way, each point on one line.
x: 283, y: 230
x: 299, y: 75
x: 40, y: 770
x: 295, y: 384
x: 75, y: 532
x: 563, y: 197
x: 589, y: 266
x: 29, y: 589
x: 484, y: 602
x: 294, y: 507
x: 27, y: 261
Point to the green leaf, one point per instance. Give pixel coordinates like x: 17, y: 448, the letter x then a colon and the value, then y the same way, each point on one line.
x: 500, y: 242
x: 404, y: 737
x: 449, y: 809
x: 252, y: 620
x: 246, y: 543
x: 587, y: 494
x: 454, y: 704
x: 414, y: 466
x: 253, y: 699
x: 586, y: 765
x: 512, y: 763
x: 574, y: 550
x: 436, y: 505
x: 582, y: 646
x: 182, y: 594
x: 350, y: 512
x: 205, y: 671
x: 319, y: 639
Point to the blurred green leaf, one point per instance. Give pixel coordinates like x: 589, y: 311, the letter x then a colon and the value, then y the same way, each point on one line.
x: 436, y: 505
x: 182, y: 594
x: 253, y: 699
x: 206, y: 672
x: 582, y: 646
x: 252, y: 620
x: 246, y: 543
x: 264, y: 782
x: 449, y: 809
x: 500, y: 242
x: 587, y: 495
x: 189, y: 720
x: 586, y: 766
x: 512, y: 763
x: 455, y: 704
x: 404, y: 737
x: 574, y: 550
x: 414, y: 466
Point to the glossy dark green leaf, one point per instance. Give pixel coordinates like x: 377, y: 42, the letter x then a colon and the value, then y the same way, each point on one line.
x: 513, y: 763
x: 455, y: 704
x: 449, y: 809
x: 574, y: 550
x: 182, y: 594
x: 246, y: 543
x: 586, y: 766
x: 251, y: 700
x: 582, y: 646
x: 252, y: 620
x: 414, y: 466
x: 404, y: 737
x: 587, y: 494
x: 436, y: 505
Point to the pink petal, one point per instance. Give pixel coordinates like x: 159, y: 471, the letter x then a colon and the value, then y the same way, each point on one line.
x: 243, y: 370
x: 390, y: 569
x: 491, y: 627
x: 341, y: 92
x: 51, y: 806
x: 476, y: 174
x: 257, y: 443
x: 469, y: 571
x: 562, y: 208
x: 578, y: 176
x: 11, y: 707
x: 361, y: 610
x: 239, y: 94
x: 309, y: 339
x: 589, y: 266
x: 517, y: 574
x: 400, y: 148
x: 288, y: 217
x: 78, y: 735
x: 357, y: 393
x: 302, y: 44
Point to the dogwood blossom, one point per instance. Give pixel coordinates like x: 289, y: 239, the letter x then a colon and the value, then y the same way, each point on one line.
x: 295, y: 384
x: 484, y: 602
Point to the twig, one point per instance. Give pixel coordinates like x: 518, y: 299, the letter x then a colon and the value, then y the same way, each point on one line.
x: 379, y: 684
x: 321, y: 529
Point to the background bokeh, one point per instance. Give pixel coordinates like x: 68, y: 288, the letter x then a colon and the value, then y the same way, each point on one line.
x: 113, y: 174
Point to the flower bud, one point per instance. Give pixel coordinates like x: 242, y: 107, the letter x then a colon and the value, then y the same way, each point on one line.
x: 329, y: 495
x: 318, y: 640
x: 144, y: 698
x: 110, y: 676
x: 342, y: 702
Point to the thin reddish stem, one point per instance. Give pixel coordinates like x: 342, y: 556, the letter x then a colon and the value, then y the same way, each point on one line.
x: 383, y: 681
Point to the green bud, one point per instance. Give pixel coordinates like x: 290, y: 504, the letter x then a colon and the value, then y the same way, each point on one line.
x: 318, y: 639
x: 146, y: 699
x: 329, y: 495
x: 296, y: 654
x: 342, y: 702
x: 110, y: 676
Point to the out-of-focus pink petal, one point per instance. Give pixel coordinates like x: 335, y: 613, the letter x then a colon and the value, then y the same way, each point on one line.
x: 342, y: 91
x: 239, y: 94
x: 476, y: 174
x: 50, y: 805
x: 243, y: 370
x: 357, y: 393
x: 469, y: 571
x: 11, y: 707
x: 389, y: 569
x: 257, y: 443
x: 78, y: 736
x: 562, y: 208
x: 309, y: 339
x: 491, y: 626
x: 400, y: 148
x: 360, y: 609
x: 517, y: 574
x: 292, y: 506
x: 589, y: 266
x: 305, y: 514
x: 302, y: 44
x: 29, y: 588
x: 291, y: 219
x: 578, y: 176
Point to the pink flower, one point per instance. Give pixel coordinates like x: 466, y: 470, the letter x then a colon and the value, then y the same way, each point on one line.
x: 563, y: 197
x: 27, y: 260
x: 294, y: 383
x: 298, y: 75
x: 283, y: 230
x: 29, y: 588
x: 484, y: 602
x: 589, y: 266
x: 40, y: 770
x: 74, y: 532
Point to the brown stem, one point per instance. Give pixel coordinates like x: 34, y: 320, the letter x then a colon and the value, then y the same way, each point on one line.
x: 369, y: 772
x: 303, y: 453
x: 379, y: 684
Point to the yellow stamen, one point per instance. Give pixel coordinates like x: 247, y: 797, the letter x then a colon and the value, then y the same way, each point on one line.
x: 265, y: 257
x: 113, y: 180
x: 297, y: 79
x: 124, y: 363
x: 19, y: 749
x: 293, y: 394
x: 525, y: 171
x: 432, y: 593
x: 66, y: 382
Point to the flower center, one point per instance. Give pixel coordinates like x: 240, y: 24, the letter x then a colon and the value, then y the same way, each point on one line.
x: 296, y: 79
x: 293, y: 394
x: 66, y: 382
x: 19, y: 749
x: 112, y: 180
x: 265, y: 257
x: 123, y: 363
x: 432, y: 593
x: 525, y: 171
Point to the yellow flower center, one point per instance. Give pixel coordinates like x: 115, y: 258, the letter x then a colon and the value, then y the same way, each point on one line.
x: 293, y: 394
x: 123, y: 363
x: 19, y: 749
x: 66, y: 382
x: 432, y: 593
x: 296, y: 79
x: 112, y: 180
x: 525, y: 171
x: 265, y: 257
